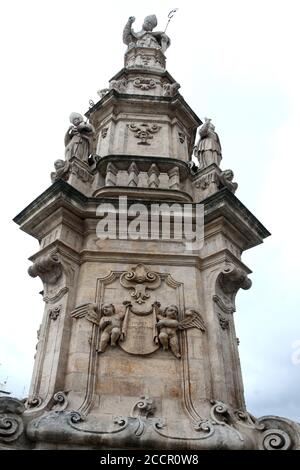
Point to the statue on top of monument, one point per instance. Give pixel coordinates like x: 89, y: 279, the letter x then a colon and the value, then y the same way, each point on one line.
x: 78, y: 138
x: 208, y: 149
x: 146, y: 37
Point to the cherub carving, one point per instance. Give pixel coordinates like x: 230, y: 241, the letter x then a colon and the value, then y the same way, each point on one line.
x: 226, y: 179
x: 168, y: 325
x: 62, y: 169
x: 110, y: 326
x: 170, y: 89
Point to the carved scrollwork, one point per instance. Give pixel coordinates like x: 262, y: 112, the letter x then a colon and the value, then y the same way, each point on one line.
x: 48, y: 268
x: 249, y: 421
x: 56, y: 297
x: 145, y: 406
x: 33, y: 402
x: 60, y: 401
x: 11, y: 422
x: 279, y: 434
x: 144, y: 132
x: 76, y: 417
x: 144, y: 84
x: 141, y: 410
x: 139, y: 279
x: 275, y: 439
x: 231, y: 279
x: 226, y: 308
x: 221, y: 414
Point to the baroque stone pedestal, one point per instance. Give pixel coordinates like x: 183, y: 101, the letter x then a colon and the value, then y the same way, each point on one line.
x: 137, y: 345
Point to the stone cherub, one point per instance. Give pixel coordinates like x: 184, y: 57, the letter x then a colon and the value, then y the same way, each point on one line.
x: 146, y: 37
x: 170, y: 89
x: 61, y: 172
x: 78, y: 138
x: 208, y: 149
x: 226, y: 180
x: 168, y: 325
x: 110, y: 326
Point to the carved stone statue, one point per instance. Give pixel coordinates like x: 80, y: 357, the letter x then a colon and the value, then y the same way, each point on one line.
x: 170, y: 89
x: 146, y: 37
x: 118, y: 85
x: 61, y: 170
x: 48, y: 268
x: 208, y: 149
x: 226, y: 179
x: 110, y: 326
x: 167, y: 326
x: 78, y: 138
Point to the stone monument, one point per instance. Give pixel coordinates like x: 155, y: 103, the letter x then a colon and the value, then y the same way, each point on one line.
x: 137, y: 346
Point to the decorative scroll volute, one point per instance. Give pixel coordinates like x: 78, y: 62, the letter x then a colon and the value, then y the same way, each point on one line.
x: 139, y: 280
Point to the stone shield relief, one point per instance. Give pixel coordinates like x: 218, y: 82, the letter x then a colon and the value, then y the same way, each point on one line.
x: 140, y: 312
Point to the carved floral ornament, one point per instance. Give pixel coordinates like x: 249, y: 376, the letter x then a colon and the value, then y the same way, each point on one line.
x: 144, y: 132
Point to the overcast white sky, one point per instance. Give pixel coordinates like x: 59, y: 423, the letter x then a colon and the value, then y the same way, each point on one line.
x: 237, y: 63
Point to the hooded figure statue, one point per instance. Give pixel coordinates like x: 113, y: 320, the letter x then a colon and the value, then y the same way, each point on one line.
x: 78, y: 138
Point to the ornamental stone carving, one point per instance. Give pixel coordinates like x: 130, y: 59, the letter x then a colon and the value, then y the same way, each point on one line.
x: 144, y: 84
x: 144, y: 132
x: 48, y: 268
x: 54, y: 312
x: 103, y: 92
x: 11, y: 421
x: 231, y: 279
x: 226, y: 180
x: 181, y: 137
x: 168, y: 325
x: 140, y: 280
x: 170, y: 89
x: 118, y: 85
x: 110, y: 326
x: 62, y: 170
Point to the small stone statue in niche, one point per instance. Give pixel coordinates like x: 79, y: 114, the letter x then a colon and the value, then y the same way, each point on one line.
x: 61, y: 171
x: 168, y: 325
x: 146, y: 37
x: 78, y: 138
x: 208, y: 149
x: 110, y: 326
